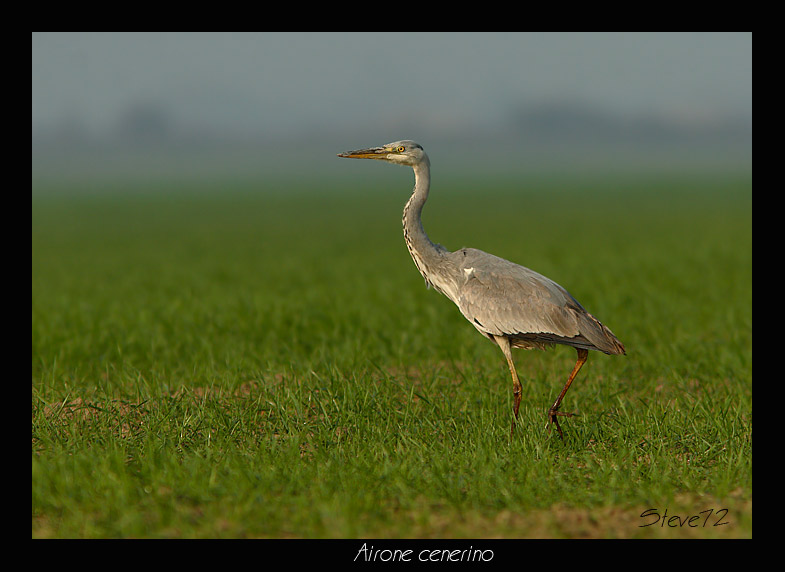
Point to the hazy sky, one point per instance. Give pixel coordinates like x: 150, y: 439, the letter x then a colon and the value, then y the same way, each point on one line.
x: 291, y: 83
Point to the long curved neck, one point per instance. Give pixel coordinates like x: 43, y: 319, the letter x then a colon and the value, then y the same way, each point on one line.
x: 425, y: 253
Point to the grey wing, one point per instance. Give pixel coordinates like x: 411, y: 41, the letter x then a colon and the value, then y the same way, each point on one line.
x: 505, y: 298
x: 500, y: 297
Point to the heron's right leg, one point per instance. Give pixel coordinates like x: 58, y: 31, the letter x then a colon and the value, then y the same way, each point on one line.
x: 554, y: 412
x: 504, y: 344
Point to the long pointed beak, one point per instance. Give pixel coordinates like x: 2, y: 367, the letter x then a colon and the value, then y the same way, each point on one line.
x: 370, y: 153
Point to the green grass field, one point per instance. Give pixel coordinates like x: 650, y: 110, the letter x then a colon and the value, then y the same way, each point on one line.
x: 268, y: 363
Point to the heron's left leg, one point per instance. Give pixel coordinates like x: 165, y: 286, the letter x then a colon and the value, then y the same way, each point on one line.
x: 504, y: 344
x: 554, y: 412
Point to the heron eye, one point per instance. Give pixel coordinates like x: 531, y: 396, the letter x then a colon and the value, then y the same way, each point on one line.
x: 401, y: 149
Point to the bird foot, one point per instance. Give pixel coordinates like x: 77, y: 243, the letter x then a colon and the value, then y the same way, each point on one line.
x: 553, y: 415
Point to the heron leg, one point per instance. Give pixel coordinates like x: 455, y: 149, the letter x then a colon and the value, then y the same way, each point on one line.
x: 504, y: 344
x: 553, y: 412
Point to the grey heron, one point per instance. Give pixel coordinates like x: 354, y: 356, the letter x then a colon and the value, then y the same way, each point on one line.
x: 509, y: 304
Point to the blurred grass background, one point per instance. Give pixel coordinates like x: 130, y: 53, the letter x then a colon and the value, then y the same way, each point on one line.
x: 245, y: 360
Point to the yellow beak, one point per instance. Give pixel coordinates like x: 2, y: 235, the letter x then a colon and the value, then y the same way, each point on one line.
x: 370, y: 153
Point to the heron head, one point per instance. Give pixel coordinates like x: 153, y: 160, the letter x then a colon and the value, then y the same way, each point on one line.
x: 401, y: 152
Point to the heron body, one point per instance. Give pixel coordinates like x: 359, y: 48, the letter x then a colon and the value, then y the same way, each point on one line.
x: 509, y: 304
